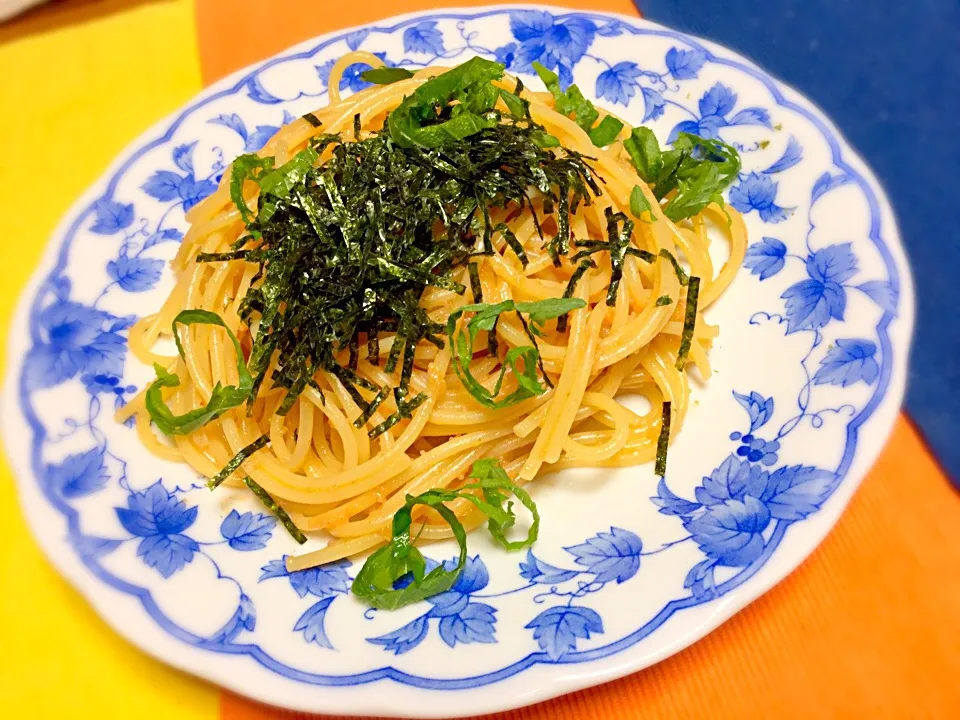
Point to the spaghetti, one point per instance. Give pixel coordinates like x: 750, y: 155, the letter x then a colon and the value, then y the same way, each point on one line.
x: 562, y: 306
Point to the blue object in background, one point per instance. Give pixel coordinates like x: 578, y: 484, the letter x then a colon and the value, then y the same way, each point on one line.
x: 888, y: 74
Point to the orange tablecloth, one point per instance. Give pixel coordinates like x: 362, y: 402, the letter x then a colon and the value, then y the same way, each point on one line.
x: 869, y: 626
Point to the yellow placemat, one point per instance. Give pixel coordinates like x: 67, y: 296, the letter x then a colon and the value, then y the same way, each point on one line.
x: 80, y: 81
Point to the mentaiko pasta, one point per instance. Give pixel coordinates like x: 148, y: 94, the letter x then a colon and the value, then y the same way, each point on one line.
x: 624, y: 306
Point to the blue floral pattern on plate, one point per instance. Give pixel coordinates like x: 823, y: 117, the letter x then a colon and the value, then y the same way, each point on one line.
x: 820, y: 295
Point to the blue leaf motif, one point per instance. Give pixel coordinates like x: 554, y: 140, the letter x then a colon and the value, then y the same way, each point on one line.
x: 258, y: 93
x: 700, y: 579
x: 848, y: 362
x: 791, y: 156
x: 243, y: 618
x: 473, y: 578
x: 135, y: 274
x: 193, y: 191
x: 613, y: 555
x: 530, y: 24
x: 882, y: 293
x: 758, y: 192
x: 80, y: 474
x: 536, y: 570
x: 183, y: 156
x: 273, y: 569
x: 155, y: 512
x: 259, y: 137
x: 356, y: 38
x: 232, y: 121
x: 718, y: 100
x: 505, y: 54
x: 476, y: 623
x: 249, y: 531
x: 352, y: 77
x: 160, y: 236
x: 811, y: 304
x: 167, y: 553
x: 730, y: 531
x: 685, y: 64
x: 311, y: 623
x: 163, y: 185
x: 797, y: 491
x: 751, y: 116
x: 423, y: 38
x: 734, y: 479
x: 92, y: 546
x: 825, y: 183
x: 556, y: 43
x: 121, y: 323
x: 104, y: 354
x: 322, y: 581
x: 403, y: 639
x: 757, y: 406
x: 619, y: 83
x: 612, y: 29
x: 684, y: 126
x: 557, y: 629
x: 672, y: 504
x: 47, y: 366
x: 111, y: 216
x: 832, y: 264
x: 653, y: 104
x: 765, y: 258
x: 447, y: 603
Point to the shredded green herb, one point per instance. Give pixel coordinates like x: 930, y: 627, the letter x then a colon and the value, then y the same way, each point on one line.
x: 386, y: 75
x: 223, y: 397
x: 664, y: 300
x: 697, y: 168
x: 375, y: 582
x: 689, y: 321
x: 663, y: 441
x: 639, y: 205
x: 484, y: 318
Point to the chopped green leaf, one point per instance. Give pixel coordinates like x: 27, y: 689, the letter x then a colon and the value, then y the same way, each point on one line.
x: 639, y: 205
x: 606, y: 132
x: 663, y: 441
x: 644, y: 151
x: 374, y: 583
x: 386, y: 75
x: 664, y: 300
x: 689, y: 321
x: 493, y: 482
x: 246, y: 167
x: 485, y: 319
x: 222, y: 398
x: 414, y: 122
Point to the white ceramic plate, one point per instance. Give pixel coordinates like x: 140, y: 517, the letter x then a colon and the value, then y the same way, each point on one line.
x: 810, y: 373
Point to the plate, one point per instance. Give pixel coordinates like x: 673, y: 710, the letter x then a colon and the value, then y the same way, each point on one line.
x: 810, y: 370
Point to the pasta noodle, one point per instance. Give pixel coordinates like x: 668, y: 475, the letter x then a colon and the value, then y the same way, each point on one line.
x: 330, y: 475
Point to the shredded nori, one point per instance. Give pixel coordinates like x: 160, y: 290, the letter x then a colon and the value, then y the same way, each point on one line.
x: 271, y: 505
x: 237, y: 460
x: 664, y: 300
x: 346, y: 249
x: 689, y: 321
x: 663, y: 441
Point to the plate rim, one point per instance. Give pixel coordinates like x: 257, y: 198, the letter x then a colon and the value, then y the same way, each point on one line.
x: 166, y: 647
